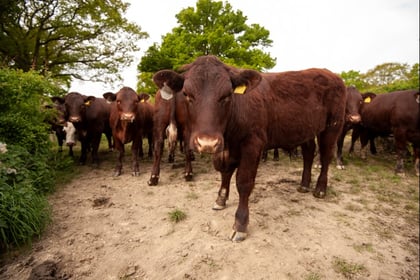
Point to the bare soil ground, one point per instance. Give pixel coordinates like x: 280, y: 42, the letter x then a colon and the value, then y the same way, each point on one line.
x: 120, y: 228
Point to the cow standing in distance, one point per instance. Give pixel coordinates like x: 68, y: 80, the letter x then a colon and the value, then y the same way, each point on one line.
x: 170, y: 119
x: 90, y: 117
x: 129, y: 120
x: 396, y: 113
x: 60, y: 126
x: 235, y: 114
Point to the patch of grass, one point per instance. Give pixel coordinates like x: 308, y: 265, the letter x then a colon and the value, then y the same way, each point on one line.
x: 177, y: 215
x: 364, y: 247
x: 348, y: 269
x: 313, y: 276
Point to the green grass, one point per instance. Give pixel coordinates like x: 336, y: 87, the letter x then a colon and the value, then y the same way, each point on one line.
x: 348, y: 269
x: 177, y: 215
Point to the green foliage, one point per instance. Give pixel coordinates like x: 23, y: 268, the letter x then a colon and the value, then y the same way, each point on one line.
x: 386, y: 77
x: 27, y: 164
x: 68, y: 38
x: 177, y: 215
x: 213, y: 27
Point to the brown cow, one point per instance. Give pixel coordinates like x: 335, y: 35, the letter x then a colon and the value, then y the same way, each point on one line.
x: 235, y: 114
x: 396, y: 113
x: 90, y: 117
x: 170, y: 119
x: 129, y: 120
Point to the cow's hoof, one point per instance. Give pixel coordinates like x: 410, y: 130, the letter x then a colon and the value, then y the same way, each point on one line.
x: 319, y: 194
x: 317, y: 166
x: 135, y: 173
x: 153, y: 181
x: 217, y: 206
x: 340, y: 166
x: 303, y: 189
x: 237, y: 236
x: 117, y: 173
x: 188, y: 177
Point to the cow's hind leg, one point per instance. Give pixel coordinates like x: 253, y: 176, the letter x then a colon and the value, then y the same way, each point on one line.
x: 326, y: 143
x: 308, y: 152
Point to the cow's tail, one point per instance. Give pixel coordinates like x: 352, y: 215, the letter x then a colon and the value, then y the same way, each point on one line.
x: 171, y: 130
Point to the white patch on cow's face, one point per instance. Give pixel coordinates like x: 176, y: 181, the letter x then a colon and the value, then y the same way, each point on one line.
x: 166, y: 92
x: 70, y: 134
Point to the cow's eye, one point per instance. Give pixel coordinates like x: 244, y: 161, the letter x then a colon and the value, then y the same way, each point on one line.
x: 225, y: 99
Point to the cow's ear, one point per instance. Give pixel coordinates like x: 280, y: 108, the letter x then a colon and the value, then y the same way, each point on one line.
x: 57, y: 100
x: 245, y: 81
x: 109, y: 96
x: 169, y: 78
x: 368, y: 96
x: 143, y: 97
x: 89, y: 100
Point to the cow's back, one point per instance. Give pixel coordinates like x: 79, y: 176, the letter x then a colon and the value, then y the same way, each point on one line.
x: 389, y: 110
x: 301, y: 104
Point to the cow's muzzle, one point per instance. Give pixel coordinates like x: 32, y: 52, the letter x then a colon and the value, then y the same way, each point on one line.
x: 127, y: 117
x: 354, y: 118
x: 206, y: 144
x: 74, y: 119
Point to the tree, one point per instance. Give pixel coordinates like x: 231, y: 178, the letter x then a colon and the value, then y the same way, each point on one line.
x: 67, y: 39
x: 385, y: 77
x: 212, y: 28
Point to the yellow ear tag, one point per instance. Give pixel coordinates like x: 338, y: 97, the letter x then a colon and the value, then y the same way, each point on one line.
x: 240, y: 89
x: 367, y: 100
x: 142, y: 101
x: 87, y: 103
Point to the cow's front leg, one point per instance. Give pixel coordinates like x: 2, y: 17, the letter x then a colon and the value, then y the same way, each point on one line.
x: 223, y: 194
x: 135, y: 147
x: 120, y: 148
x: 245, y: 181
x: 157, y: 156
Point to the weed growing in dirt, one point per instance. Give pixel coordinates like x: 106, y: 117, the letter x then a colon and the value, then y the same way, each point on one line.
x: 177, y: 215
x: 348, y: 269
x: 313, y: 276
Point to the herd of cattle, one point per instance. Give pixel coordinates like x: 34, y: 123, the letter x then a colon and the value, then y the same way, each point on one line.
x: 236, y: 115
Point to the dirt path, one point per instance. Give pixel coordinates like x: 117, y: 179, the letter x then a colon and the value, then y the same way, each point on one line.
x: 119, y: 228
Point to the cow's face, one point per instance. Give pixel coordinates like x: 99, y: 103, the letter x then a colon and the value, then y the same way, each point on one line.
x: 76, y: 105
x: 208, y: 85
x: 353, y: 105
x: 59, y: 107
x: 126, y: 100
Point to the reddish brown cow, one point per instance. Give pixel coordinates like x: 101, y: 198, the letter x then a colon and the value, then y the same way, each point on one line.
x: 129, y: 121
x: 269, y: 110
x: 396, y: 113
x: 169, y: 118
x: 90, y: 117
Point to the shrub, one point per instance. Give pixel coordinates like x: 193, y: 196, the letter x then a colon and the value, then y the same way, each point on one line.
x: 27, y: 163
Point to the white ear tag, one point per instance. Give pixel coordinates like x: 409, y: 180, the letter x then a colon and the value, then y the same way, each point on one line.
x: 166, y: 92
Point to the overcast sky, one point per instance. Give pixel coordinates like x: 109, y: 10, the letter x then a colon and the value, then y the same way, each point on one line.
x: 339, y: 35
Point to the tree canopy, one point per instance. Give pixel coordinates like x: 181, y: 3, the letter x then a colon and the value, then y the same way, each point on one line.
x: 212, y: 27
x: 385, y: 77
x: 68, y: 39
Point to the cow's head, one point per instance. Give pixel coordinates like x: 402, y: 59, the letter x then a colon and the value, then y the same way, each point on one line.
x: 209, y: 87
x: 59, y: 115
x: 70, y: 134
x: 76, y: 105
x: 354, y: 102
x: 126, y: 100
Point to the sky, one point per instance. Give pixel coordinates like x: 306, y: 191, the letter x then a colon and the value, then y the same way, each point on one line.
x: 340, y: 35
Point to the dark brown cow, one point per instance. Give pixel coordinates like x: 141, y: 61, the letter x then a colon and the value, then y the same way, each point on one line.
x: 90, y: 117
x: 59, y: 124
x: 129, y: 120
x: 170, y: 119
x: 396, y: 113
x: 269, y: 110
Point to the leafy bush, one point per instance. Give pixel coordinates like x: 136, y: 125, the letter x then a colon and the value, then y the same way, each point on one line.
x: 27, y: 163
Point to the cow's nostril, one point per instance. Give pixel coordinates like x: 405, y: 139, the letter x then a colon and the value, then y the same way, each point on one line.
x: 206, y: 144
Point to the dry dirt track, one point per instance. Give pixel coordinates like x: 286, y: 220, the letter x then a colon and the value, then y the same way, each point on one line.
x: 119, y: 228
